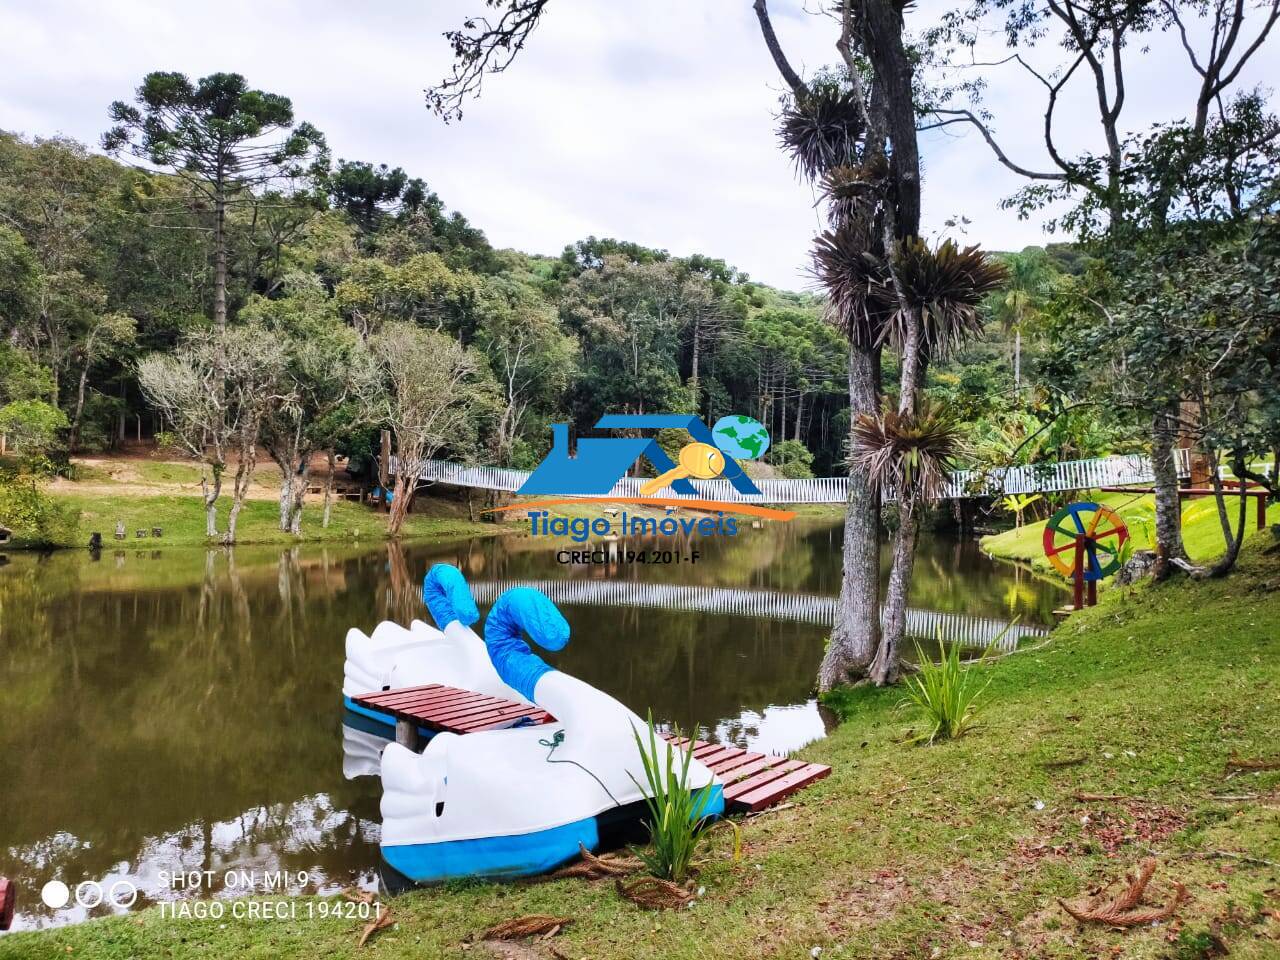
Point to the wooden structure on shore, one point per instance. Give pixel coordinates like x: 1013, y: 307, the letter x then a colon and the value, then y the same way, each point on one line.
x: 752, y: 781
x: 1230, y: 488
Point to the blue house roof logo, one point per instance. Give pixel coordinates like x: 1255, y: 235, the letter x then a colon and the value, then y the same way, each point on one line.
x: 602, y: 461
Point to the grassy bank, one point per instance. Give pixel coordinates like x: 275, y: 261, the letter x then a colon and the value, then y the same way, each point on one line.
x: 1201, y: 529
x: 145, y: 493
x: 181, y: 517
x: 1110, y: 742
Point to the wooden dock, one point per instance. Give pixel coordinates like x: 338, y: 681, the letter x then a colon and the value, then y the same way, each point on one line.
x: 752, y: 781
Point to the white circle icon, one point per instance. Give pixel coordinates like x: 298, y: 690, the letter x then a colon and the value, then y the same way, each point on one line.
x: 88, y: 893
x: 130, y: 894
x: 55, y: 894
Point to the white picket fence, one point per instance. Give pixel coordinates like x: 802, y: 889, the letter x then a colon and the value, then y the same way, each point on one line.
x: 1036, y: 478
x: 769, y: 604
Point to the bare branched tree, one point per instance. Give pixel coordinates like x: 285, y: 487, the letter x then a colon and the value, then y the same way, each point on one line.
x: 431, y: 389
x: 483, y: 46
x: 213, y: 392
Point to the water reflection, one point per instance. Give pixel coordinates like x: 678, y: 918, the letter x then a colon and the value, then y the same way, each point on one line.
x: 179, y: 709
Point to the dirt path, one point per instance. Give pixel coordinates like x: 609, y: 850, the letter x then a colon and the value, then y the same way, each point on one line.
x: 137, y: 477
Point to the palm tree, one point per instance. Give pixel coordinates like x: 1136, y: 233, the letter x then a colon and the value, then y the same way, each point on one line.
x: 938, y: 292
x: 1029, y: 274
x: 823, y: 128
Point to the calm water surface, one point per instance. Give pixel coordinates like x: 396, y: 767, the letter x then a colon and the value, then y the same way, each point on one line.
x: 180, y: 709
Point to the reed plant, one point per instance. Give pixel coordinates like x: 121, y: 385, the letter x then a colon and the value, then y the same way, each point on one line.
x: 677, y: 815
x: 948, y: 691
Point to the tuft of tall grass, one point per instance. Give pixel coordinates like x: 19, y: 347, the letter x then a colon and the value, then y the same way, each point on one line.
x: 677, y: 815
x: 947, y: 692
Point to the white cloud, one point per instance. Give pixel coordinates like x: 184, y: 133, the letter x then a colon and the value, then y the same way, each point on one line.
x: 650, y: 120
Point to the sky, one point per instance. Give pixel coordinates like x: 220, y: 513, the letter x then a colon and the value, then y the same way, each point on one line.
x: 648, y: 120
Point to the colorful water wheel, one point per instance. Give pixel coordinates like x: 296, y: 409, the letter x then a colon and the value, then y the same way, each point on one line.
x: 1100, y: 532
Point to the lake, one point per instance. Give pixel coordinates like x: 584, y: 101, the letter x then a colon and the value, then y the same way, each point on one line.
x: 169, y: 709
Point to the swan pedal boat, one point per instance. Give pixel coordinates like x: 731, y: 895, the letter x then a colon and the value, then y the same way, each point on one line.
x: 508, y: 802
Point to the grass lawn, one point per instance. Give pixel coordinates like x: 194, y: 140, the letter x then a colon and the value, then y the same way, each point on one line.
x: 1108, y: 743
x: 181, y: 517
x: 147, y: 493
x: 1201, y: 529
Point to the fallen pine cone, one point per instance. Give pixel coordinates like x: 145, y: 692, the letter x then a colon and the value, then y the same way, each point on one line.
x: 1122, y: 911
x: 591, y: 867
x: 532, y: 925
x: 653, y: 893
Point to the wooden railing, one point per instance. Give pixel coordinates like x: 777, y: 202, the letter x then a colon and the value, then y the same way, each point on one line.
x: 1035, y: 478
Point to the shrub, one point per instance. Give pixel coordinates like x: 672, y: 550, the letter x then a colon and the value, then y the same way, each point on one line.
x: 947, y: 692
x: 32, y: 426
x: 676, y: 814
x: 793, y: 459
x: 34, y: 517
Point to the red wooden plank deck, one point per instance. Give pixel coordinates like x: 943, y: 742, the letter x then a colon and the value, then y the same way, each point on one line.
x: 752, y: 781
x: 451, y: 709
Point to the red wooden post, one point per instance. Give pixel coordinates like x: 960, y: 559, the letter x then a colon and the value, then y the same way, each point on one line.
x: 8, y: 899
x: 1262, y: 510
x: 1093, y: 593
x: 1077, y: 576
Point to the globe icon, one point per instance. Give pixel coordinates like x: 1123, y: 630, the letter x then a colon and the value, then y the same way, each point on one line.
x: 741, y: 437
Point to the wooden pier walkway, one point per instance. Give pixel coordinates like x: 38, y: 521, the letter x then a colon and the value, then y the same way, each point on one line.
x: 1030, y: 478
x: 752, y: 781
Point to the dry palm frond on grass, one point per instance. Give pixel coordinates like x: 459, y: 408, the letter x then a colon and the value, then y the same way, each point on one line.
x: 531, y: 925
x: 820, y: 128
x: 380, y: 922
x: 1236, y: 763
x: 591, y: 867
x: 653, y: 893
x: 1124, y: 910
x: 910, y: 454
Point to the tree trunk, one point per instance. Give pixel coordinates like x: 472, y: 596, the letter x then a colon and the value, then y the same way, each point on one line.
x: 1169, y: 546
x: 912, y: 366
x: 211, y: 493
x: 286, y: 494
x: 855, y: 635
x: 884, y: 670
x: 1215, y: 482
x: 244, y: 476
x: 882, y: 28
x: 220, y: 259
x: 1228, y: 560
x: 399, y: 505
x: 74, y: 438
x: 1017, y: 358
x: 328, y: 488
x: 301, y: 478
x: 693, y: 366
